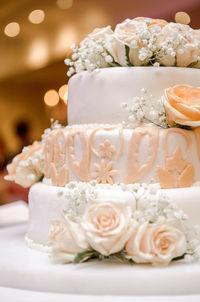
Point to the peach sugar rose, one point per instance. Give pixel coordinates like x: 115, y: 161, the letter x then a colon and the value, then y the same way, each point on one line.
x: 156, y: 243
x: 182, y: 105
x: 152, y: 22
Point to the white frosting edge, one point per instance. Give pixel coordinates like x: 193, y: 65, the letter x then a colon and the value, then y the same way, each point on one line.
x: 37, y: 246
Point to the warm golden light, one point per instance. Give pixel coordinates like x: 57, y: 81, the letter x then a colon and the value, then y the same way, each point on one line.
x: 94, y: 18
x: 51, y: 98
x: 63, y: 93
x: 12, y: 29
x: 36, y: 16
x: 64, y: 4
x: 39, y: 54
x: 66, y: 36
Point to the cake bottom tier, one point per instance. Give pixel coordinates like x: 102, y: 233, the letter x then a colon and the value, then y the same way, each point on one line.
x: 48, y: 203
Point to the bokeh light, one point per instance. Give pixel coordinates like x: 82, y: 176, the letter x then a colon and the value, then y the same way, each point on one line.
x: 182, y: 17
x: 64, y: 4
x: 38, y: 54
x: 12, y: 29
x: 66, y: 36
x: 63, y: 93
x: 51, y: 98
x: 36, y: 16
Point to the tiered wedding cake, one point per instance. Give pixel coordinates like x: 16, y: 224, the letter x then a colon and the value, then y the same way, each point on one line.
x: 121, y: 180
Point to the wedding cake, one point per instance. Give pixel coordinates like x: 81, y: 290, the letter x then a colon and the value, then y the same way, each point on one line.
x: 121, y: 181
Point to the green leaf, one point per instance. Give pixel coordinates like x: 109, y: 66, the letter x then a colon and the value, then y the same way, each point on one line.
x: 193, y: 64
x: 84, y: 256
x: 175, y: 63
x: 179, y: 257
x: 114, y: 63
x: 127, y: 55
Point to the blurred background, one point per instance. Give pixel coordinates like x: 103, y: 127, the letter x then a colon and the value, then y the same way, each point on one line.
x: 35, y: 37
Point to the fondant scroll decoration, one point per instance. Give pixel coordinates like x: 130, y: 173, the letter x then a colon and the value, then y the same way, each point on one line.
x: 79, y: 168
x: 182, y: 132
x: 197, y: 135
x: 177, y: 172
x: 59, y: 177
x: 55, y: 158
x: 135, y: 171
x: 107, y: 129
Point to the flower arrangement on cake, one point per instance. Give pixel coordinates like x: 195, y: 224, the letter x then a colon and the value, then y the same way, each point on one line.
x: 137, y: 42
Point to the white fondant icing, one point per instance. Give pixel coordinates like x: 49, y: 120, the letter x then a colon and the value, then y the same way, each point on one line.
x: 48, y: 202
x: 37, y: 246
x: 96, y: 97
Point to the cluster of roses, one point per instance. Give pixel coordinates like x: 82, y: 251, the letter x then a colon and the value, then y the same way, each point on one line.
x: 27, y: 167
x: 152, y: 235
x: 137, y: 42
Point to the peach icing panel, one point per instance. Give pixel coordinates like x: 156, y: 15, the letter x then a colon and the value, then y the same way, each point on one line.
x: 173, y: 162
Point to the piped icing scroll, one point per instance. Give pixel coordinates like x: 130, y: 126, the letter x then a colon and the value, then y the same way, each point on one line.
x: 55, y: 158
x: 80, y: 168
x: 121, y: 139
x: 178, y: 172
x: 135, y: 171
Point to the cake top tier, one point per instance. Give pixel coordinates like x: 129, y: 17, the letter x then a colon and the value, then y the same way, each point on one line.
x: 138, y: 42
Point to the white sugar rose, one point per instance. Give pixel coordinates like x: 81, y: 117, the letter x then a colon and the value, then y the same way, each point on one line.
x: 66, y: 240
x: 96, y: 34
x: 107, y: 226
x: 129, y: 30
x: 177, y: 44
x: 138, y: 35
x: 156, y: 243
x: 129, y: 33
x: 27, y: 167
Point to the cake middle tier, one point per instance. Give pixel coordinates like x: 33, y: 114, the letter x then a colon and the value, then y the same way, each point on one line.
x: 115, y: 154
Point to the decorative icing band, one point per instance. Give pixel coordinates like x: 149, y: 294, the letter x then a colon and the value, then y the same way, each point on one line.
x: 118, y: 154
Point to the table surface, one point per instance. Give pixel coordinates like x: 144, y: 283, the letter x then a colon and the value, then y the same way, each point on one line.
x: 22, y: 271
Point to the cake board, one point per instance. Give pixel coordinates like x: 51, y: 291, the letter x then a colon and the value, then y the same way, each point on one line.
x: 26, y: 269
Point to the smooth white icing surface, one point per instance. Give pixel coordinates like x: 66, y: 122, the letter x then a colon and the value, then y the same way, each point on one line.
x: 96, y: 97
x: 46, y: 204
